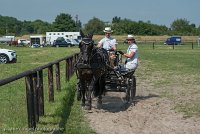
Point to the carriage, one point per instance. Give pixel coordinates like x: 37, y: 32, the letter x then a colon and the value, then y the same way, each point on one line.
x: 98, y: 71
x: 119, y: 80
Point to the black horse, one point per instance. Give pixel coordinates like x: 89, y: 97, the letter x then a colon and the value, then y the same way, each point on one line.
x: 91, y: 69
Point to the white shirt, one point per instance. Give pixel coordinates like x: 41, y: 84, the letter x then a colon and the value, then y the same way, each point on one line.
x: 107, y: 43
x: 133, y: 48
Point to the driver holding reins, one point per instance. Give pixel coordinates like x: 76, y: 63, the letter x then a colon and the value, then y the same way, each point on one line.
x: 108, y: 42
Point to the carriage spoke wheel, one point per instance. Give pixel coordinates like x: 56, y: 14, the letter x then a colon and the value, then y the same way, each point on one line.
x: 132, y: 83
x: 127, y: 98
x: 131, y: 88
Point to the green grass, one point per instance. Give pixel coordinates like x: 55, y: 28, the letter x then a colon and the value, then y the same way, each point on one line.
x: 190, y: 108
x: 13, y: 111
x: 29, y: 58
x: 173, y: 73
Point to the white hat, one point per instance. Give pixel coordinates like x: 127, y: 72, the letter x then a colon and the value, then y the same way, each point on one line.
x: 108, y: 30
x: 130, y: 37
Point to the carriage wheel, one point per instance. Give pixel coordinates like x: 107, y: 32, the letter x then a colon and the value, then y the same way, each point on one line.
x: 127, y: 98
x: 132, y: 87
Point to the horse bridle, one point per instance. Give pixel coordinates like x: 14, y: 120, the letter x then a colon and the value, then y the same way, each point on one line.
x: 86, y: 41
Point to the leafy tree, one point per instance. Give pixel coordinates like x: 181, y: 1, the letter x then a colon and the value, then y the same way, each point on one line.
x: 9, y: 25
x: 182, y: 27
x: 94, y: 24
x: 198, y: 31
x: 27, y: 28
x: 127, y: 26
x: 64, y: 22
x: 116, y: 19
x: 41, y: 27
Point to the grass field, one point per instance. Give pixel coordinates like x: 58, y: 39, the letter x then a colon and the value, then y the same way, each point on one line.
x: 173, y: 72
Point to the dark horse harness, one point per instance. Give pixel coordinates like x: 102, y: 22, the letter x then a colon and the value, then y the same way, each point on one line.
x: 97, y: 58
x: 91, y: 68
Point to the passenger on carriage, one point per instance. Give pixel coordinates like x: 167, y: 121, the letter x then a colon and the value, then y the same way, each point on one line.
x: 131, y: 63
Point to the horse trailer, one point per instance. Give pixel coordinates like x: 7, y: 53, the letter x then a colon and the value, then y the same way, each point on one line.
x: 52, y: 36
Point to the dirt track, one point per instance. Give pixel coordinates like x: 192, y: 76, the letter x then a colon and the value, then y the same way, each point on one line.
x: 148, y: 114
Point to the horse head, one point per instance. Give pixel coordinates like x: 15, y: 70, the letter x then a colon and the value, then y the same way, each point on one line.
x: 86, y: 46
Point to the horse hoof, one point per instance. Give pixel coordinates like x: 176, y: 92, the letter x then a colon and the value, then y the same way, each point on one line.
x: 88, y: 108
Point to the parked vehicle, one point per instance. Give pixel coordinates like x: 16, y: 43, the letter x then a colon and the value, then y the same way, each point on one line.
x: 75, y: 42
x: 7, y: 39
x: 35, y: 45
x: 23, y: 42
x: 7, y: 56
x: 62, y: 43
x: 173, y: 40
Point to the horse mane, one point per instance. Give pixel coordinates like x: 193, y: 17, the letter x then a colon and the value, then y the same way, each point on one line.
x: 99, y: 58
x: 90, y: 56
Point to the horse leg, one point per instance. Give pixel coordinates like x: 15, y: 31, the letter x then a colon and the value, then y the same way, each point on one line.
x: 89, y: 94
x: 78, y: 90
x: 82, y: 91
x: 101, y: 85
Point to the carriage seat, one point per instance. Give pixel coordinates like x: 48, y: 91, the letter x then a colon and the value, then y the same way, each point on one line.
x: 124, y: 72
x: 127, y: 73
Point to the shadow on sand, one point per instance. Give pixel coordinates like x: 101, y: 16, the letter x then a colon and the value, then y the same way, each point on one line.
x: 117, y: 104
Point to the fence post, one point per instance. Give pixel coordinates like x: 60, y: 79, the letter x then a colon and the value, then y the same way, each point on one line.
x: 192, y: 45
x: 58, y: 86
x: 35, y: 89
x: 40, y: 92
x: 153, y: 45
x: 50, y: 83
x: 30, y: 101
x: 71, y: 67
x: 73, y: 62
x: 67, y: 70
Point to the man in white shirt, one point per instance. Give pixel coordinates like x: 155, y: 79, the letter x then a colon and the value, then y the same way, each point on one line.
x: 108, y: 42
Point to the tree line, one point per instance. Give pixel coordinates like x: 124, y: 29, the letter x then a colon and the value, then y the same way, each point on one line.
x: 65, y: 22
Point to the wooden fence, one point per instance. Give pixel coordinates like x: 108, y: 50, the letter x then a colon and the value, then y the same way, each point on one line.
x: 154, y: 44
x: 34, y: 86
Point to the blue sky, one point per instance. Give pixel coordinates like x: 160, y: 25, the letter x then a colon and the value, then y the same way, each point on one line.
x: 161, y: 12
